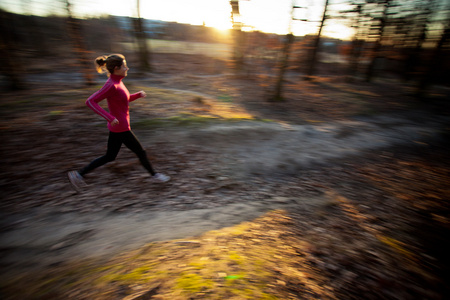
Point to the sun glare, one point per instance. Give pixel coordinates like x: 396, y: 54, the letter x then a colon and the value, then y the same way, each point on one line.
x: 338, y: 31
x: 262, y: 15
x: 196, y: 12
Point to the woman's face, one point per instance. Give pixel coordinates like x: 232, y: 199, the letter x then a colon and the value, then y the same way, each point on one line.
x: 122, y: 71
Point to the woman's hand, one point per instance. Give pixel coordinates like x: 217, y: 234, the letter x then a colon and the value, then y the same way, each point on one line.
x: 114, y: 122
x: 143, y: 94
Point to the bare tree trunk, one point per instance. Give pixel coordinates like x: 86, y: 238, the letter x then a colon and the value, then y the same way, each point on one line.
x: 316, y: 45
x: 238, y: 36
x: 289, y: 39
x: 238, y: 52
x: 35, y: 36
x: 284, y: 64
x: 10, y: 64
x: 376, y: 49
x: 141, y: 39
x: 413, y: 56
x: 355, y: 54
x: 437, y: 60
x: 79, y: 46
x: 356, y: 47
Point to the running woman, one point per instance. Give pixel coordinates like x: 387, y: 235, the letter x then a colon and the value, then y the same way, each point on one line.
x: 118, y: 117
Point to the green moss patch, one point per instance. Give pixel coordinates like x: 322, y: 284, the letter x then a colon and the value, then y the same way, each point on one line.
x: 249, y: 261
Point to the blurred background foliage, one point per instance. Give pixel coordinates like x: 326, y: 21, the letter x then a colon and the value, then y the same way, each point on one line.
x: 398, y: 39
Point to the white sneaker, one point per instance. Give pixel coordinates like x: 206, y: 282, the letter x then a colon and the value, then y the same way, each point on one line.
x: 76, y: 180
x: 159, y: 177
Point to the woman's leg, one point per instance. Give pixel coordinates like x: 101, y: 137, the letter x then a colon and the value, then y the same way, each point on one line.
x: 114, y: 144
x: 130, y: 140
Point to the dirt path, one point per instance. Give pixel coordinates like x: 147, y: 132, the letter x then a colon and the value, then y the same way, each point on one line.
x: 44, y: 238
x: 46, y: 235
x: 268, y: 148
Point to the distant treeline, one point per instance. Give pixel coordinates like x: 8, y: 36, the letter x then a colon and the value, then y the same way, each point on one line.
x: 27, y: 39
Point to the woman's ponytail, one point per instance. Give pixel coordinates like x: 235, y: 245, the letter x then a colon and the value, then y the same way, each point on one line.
x: 107, y: 63
x: 100, y: 63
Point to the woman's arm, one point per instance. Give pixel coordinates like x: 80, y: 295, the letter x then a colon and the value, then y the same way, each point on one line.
x: 94, y: 99
x: 135, y: 96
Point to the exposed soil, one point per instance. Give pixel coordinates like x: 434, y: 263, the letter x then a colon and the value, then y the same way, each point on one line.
x: 350, y: 182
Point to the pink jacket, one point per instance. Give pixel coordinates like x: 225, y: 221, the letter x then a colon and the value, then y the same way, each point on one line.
x: 118, y: 99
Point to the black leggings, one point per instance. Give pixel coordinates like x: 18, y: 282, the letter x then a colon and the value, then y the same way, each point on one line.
x: 115, y: 141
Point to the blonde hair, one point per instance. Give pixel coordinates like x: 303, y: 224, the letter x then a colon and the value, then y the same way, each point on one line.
x: 107, y: 63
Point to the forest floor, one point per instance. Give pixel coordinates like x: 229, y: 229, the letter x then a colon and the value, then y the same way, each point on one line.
x: 339, y: 192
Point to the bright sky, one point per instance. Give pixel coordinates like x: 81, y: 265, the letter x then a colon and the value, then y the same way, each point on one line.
x: 264, y: 15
